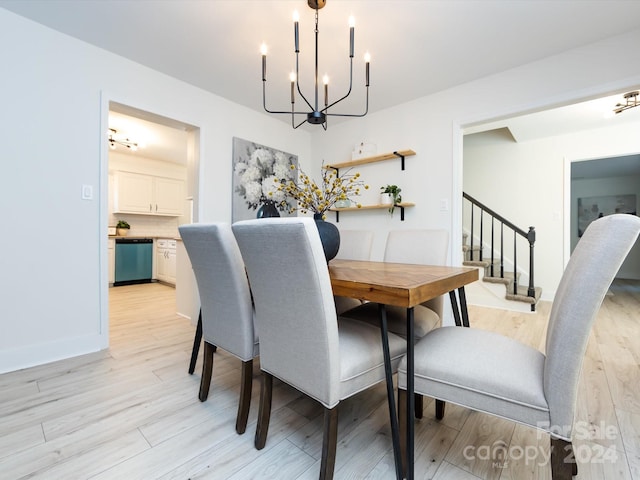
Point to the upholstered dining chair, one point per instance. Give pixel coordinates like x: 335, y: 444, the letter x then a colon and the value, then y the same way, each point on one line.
x: 301, y: 341
x: 494, y: 374
x: 425, y: 247
x: 226, y: 307
x: 354, y: 245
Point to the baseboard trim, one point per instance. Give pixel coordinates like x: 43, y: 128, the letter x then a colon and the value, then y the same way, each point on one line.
x: 43, y: 353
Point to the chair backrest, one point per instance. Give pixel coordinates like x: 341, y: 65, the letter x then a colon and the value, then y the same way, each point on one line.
x: 425, y: 247
x: 225, y: 297
x: 589, y: 273
x: 295, y: 312
x: 355, y: 244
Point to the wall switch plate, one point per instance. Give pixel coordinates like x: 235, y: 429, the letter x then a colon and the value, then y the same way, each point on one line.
x: 444, y: 205
x: 87, y: 192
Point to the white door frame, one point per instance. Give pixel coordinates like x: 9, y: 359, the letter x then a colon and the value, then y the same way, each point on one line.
x: 193, y: 179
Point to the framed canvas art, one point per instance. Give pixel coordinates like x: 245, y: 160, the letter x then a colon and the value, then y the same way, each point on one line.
x: 255, y: 193
x: 591, y: 208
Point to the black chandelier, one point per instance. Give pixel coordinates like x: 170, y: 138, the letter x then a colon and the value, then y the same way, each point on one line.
x: 113, y: 141
x: 317, y: 115
x: 631, y: 101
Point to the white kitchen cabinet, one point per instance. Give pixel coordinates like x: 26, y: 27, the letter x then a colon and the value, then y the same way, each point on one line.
x: 166, y: 260
x: 171, y: 264
x: 169, y: 196
x: 147, y: 194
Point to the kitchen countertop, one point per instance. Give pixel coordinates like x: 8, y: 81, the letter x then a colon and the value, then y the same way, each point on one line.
x: 145, y: 236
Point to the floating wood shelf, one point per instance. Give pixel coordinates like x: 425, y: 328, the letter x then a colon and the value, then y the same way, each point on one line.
x: 376, y: 158
x: 378, y: 206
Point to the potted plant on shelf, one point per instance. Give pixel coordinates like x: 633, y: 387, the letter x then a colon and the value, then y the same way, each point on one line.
x: 393, y: 194
x: 122, y: 228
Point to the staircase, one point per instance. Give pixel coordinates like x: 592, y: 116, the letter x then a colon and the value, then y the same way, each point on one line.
x: 501, y: 274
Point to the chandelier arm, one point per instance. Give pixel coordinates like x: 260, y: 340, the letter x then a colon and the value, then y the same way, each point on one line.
x: 293, y: 116
x: 264, y: 105
x: 298, y: 84
x: 352, y: 114
x: 325, y: 109
x: 301, y: 123
x: 264, y: 98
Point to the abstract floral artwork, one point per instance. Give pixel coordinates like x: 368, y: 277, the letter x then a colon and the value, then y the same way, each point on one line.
x: 255, y: 167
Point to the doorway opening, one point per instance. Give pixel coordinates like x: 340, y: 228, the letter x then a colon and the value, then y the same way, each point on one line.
x: 515, y: 166
x: 151, y: 168
x: 598, y: 187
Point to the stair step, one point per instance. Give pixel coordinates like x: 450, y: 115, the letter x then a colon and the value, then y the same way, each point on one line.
x: 522, y: 296
x: 476, y: 263
x: 507, y: 279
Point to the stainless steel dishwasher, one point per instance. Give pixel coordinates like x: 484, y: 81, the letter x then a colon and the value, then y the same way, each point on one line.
x: 134, y: 261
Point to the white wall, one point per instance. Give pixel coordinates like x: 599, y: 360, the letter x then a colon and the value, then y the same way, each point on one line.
x: 54, y: 112
x: 630, y: 269
x: 525, y: 182
x: 431, y: 126
x: 52, y: 123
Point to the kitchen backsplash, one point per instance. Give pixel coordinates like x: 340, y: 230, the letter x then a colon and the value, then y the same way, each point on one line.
x: 148, y: 226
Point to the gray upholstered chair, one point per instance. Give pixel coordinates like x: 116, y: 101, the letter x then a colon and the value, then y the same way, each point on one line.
x: 301, y: 341
x: 354, y: 245
x: 424, y: 247
x: 491, y: 373
x: 226, y: 308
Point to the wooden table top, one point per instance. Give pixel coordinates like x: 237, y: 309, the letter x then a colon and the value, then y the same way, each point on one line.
x: 401, y: 284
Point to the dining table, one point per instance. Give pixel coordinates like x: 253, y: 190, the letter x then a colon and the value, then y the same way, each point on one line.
x: 403, y: 285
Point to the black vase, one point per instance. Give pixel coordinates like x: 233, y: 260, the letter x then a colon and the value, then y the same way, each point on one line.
x: 268, y: 209
x: 329, y: 235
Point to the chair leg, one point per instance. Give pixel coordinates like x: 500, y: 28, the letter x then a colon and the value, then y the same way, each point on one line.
x: 563, y: 462
x: 196, y: 345
x: 329, y: 443
x: 418, y: 405
x: 402, y: 424
x: 264, y: 412
x: 244, y: 403
x: 207, y: 370
x: 440, y: 405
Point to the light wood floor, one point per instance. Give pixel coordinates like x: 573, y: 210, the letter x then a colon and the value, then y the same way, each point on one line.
x: 132, y: 412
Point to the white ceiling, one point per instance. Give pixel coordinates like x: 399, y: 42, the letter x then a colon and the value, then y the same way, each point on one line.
x: 417, y: 47
x: 157, y: 138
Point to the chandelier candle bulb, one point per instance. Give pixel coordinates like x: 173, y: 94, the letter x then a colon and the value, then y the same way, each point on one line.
x: 325, y: 81
x: 263, y: 50
x: 367, y: 59
x: 352, y: 24
x: 296, y: 32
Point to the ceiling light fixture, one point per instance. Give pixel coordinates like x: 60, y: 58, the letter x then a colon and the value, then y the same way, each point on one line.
x: 317, y: 115
x: 133, y: 146
x: 631, y: 101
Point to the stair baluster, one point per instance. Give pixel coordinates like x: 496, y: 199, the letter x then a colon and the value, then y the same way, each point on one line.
x: 530, y: 236
x: 515, y: 264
